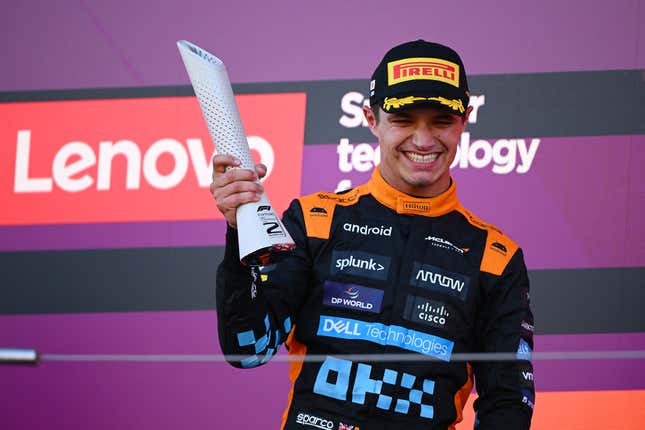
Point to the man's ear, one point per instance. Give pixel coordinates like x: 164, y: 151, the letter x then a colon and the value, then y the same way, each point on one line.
x: 468, y: 111
x: 371, y: 120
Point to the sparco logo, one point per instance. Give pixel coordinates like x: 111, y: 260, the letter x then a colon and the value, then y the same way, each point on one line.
x: 367, y: 230
x: 314, y: 421
x: 360, y: 264
x: 435, y: 278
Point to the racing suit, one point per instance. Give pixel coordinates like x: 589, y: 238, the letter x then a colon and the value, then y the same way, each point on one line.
x: 376, y: 271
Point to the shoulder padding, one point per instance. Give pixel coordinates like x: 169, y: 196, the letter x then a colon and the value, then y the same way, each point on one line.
x: 318, y: 209
x: 499, y: 248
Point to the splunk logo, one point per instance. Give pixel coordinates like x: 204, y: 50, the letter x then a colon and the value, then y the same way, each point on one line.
x: 359, y: 383
x: 360, y: 263
x: 351, y: 296
x: 401, y: 337
x: 367, y: 230
x: 149, y: 161
x: 313, y: 421
x: 437, y: 279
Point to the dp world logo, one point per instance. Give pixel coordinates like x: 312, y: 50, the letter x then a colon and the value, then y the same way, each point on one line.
x: 352, y: 292
x: 341, y: 295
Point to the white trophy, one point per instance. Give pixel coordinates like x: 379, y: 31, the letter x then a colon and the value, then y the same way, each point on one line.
x: 261, y: 234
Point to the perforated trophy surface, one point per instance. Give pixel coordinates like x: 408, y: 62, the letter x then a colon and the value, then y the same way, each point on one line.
x: 261, y: 234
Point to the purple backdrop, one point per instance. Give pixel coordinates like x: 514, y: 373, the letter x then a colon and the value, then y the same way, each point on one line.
x: 84, y: 44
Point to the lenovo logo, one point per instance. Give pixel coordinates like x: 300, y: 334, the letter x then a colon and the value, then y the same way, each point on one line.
x: 148, y: 159
x: 76, y: 166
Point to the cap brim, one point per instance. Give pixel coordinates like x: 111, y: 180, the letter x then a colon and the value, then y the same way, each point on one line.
x: 397, y: 104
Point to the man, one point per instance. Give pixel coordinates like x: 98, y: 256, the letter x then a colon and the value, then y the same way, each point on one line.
x: 393, y: 266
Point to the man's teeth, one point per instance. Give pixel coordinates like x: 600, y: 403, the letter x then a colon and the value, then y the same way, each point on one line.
x: 418, y: 158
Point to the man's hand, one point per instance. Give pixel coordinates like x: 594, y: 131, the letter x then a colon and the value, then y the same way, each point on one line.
x: 232, y: 187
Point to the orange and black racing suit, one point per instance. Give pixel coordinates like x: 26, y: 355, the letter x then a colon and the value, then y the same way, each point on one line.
x: 376, y: 271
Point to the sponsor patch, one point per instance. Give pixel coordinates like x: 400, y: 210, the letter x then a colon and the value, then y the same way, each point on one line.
x: 317, y: 211
x: 425, y: 311
x: 368, y: 230
x: 360, y: 263
x: 305, y: 419
x: 351, y: 296
x: 526, y: 377
x: 443, y: 243
x: 499, y: 247
x: 347, y: 197
x: 528, y: 398
x: 401, y: 337
x: 529, y: 328
x: 437, y: 279
x: 337, y: 377
x: 422, y: 68
x: 524, y: 350
x: 416, y: 206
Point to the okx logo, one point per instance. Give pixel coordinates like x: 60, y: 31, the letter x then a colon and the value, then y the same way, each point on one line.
x: 341, y: 380
x: 361, y: 264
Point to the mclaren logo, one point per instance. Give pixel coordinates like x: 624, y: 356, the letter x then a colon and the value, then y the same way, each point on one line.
x: 317, y: 211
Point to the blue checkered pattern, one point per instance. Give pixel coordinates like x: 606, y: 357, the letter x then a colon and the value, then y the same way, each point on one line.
x: 261, y: 345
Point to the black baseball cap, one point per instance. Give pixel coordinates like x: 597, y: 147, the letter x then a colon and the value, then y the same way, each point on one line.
x: 420, y: 72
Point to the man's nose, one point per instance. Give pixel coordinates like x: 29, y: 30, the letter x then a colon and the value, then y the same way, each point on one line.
x: 423, y: 137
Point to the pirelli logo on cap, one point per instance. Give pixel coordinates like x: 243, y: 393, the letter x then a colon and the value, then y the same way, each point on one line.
x: 434, y: 69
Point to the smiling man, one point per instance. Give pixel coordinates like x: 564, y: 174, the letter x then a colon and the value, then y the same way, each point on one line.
x: 396, y: 265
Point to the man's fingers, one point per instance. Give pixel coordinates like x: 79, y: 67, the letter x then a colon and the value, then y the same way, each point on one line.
x: 233, y: 175
x: 221, y: 192
x: 223, y: 161
x: 233, y: 201
x: 261, y: 170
